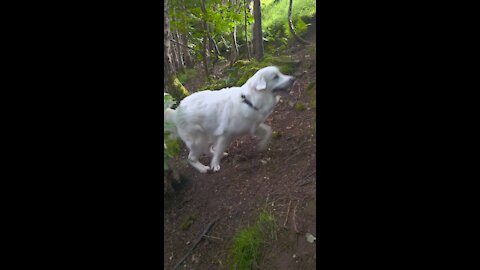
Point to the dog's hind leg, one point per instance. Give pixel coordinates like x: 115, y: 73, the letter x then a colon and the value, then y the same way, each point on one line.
x: 264, y: 132
x: 196, y: 149
x: 212, y: 152
x: 193, y: 160
x: 220, y: 145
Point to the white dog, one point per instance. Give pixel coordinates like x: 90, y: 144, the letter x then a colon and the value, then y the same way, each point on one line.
x: 208, y: 121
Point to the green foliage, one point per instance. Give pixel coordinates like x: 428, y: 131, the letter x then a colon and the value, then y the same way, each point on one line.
x: 247, y: 243
x: 168, y: 101
x: 222, y: 17
x: 275, y: 17
x: 186, y: 75
x: 171, y: 147
x: 187, y: 18
x: 242, y: 70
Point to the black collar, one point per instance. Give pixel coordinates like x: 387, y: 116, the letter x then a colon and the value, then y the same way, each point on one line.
x: 249, y: 103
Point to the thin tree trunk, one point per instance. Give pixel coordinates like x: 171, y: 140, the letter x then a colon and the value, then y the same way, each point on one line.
x: 181, y: 65
x: 205, y: 53
x: 183, y: 37
x: 292, y: 30
x: 172, y: 52
x: 186, y: 52
x: 235, y: 52
x: 257, y: 30
x: 235, y: 47
x: 246, y: 33
x: 175, y: 62
x: 168, y: 71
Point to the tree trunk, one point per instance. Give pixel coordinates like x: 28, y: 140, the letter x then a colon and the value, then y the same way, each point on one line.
x: 257, y: 31
x: 186, y: 53
x: 205, y: 53
x: 181, y: 65
x: 292, y: 30
x: 234, y: 56
x: 174, y: 54
x: 235, y: 53
x: 170, y: 81
x: 246, y: 33
x: 168, y: 70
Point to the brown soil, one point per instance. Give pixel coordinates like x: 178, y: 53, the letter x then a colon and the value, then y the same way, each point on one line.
x: 282, y: 177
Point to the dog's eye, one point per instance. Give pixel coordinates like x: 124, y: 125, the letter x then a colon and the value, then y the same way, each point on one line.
x: 275, y: 77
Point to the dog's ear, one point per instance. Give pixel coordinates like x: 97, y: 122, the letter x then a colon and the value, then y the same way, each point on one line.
x: 261, y: 84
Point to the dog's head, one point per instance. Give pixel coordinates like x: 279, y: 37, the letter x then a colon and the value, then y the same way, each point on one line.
x: 270, y: 79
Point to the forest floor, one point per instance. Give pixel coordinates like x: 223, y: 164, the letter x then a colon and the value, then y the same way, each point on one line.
x: 282, y: 178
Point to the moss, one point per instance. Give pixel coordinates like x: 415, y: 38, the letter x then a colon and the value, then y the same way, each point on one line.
x: 185, y: 225
x: 179, y: 91
x: 300, y: 106
x: 276, y: 135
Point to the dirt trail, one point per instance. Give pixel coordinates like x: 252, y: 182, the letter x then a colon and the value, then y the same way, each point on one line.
x: 284, y: 175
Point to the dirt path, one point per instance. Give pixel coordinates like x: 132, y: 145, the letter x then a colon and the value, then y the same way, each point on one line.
x: 282, y: 177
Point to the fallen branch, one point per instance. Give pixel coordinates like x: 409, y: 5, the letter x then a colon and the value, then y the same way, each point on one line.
x: 295, y: 149
x: 292, y: 156
x: 294, y: 223
x: 196, y: 243
x: 213, y: 237
x: 305, y: 178
x: 286, y: 218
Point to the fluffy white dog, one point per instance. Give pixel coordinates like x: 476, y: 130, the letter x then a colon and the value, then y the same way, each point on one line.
x: 208, y: 121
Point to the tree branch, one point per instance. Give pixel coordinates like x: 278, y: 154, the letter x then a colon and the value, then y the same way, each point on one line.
x: 292, y: 30
x: 181, y: 44
x: 196, y: 243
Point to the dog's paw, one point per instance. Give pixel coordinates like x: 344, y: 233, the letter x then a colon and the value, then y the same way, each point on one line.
x: 262, y: 146
x: 215, y: 168
x: 203, y: 169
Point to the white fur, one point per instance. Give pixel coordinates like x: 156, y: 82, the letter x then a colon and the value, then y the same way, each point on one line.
x: 212, y: 119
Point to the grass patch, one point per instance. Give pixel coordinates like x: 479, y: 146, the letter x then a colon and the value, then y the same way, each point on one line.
x: 185, y: 225
x: 300, y: 106
x: 248, y: 243
x: 312, y: 94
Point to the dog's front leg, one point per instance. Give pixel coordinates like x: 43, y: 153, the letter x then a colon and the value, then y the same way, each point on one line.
x: 264, y: 132
x: 220, y: 146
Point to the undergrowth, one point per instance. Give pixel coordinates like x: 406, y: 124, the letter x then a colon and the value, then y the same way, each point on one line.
x: 247, y: 244
x: 187, y: 75
x: 242, y: 70
x: 275, y: 23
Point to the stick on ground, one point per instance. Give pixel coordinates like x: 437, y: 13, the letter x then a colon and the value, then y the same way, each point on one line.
x: 288, y: 211
x: 196, y: 243
x: 294, y: 223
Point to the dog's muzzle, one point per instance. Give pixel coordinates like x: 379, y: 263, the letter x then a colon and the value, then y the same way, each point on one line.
x: 286, y: 86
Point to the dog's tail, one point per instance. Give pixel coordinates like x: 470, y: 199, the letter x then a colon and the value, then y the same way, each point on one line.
x: 171, y: 117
